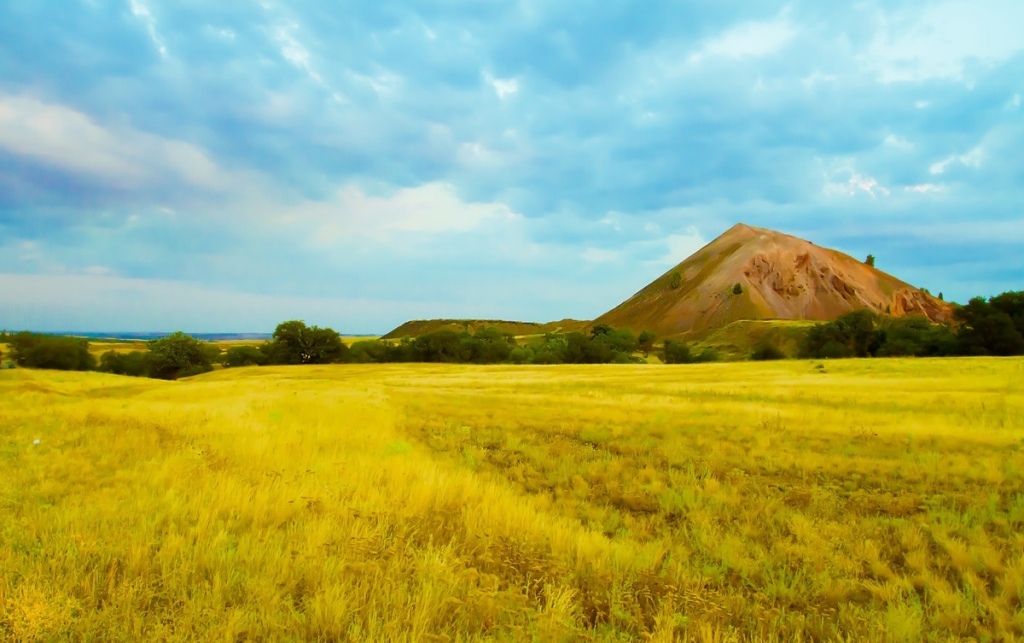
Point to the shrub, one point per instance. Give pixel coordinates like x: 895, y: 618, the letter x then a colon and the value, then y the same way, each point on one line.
x: 707, y: 355
x: 34, y: 350
x: 676, y: 352
x: 675, y: 280
x: 135, y: 363
x: 296, y: 343
x: 244, y: 356
x: 737, y: 289
x: 766, y: 351
x: 178, y: 355
x: 646, y: 341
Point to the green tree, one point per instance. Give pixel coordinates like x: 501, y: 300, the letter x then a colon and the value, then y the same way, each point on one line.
x: 134, y: 363
x: 986, y: 329
x: 296, y: 343
x: 675, y: 280
x: 870, y: 260
x: 737, y: 289
x: 766, y: 350
x: 646, y: 342
x: 244, y: 356
x: 35, y: 350
x: 178, y: 355
x: 600, y: 329
x: 676, y: 352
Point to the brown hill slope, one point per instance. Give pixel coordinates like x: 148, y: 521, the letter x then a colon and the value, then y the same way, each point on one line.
x: 781, y: 276
x: 418, y: 327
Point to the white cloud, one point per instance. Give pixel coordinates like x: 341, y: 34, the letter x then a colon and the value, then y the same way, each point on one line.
x: 61, y: 137
x: 854, y: 183
x: 599, y: 255
x: 898, y: 142
x: 970, y: 159
x: 67, y: 302
x: 681, y: 245
x: 428, y: 208
x: 926, y: 188
x: 750, y: 39
x: 142, y: 12
x: 817, y: 78
x: 503, y: 87
x: 222, y: 33
x: 941, y: 41
x: 298, y: 54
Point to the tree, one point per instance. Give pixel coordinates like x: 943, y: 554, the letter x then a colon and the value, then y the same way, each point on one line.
x: 676, y: 352
x: 766, y: 350
x: 178, y: 355
x: 1011, y: 303
x: 870, y: 260
x: 440, y: 346
x: 34, y: 350
x: 296, y: 343
x: 675, y: 280
x: 244, y: 356
x: 737, y: 289
x: 134, y: 363
x: 646, y: 342
x: 986, y: 329
x: 600, y: 329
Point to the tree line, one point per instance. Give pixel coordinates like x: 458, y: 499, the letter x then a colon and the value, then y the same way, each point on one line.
x: 993, y: 326
x: 293, y: 342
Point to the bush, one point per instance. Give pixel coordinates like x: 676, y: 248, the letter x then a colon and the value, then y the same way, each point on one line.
x: 34, y: 350
x: 675, y: 280
x: 296, y: 343
x: 767, y: 351
x: 707, y: 355
x: 737, y: 289
x: 676, y: 352
x: 135, y: 363
x: 244, y: 356
x: 178, y: 355
x: 646, y: 341
x: 370, y: 351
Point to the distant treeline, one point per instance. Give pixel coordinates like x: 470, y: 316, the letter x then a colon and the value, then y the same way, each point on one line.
x: 982, y: 327
x: 293, y: 342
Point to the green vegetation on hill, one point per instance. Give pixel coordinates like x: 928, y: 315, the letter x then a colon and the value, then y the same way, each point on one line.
x: 419, y: 327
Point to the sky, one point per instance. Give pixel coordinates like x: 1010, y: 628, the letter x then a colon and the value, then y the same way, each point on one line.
x: 222, y: 167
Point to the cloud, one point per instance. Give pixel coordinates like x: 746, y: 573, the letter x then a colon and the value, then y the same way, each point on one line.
x: 970, y: 159
x: 427, y: 209
x: 142, y: 12
x: 944, y: 39
x: 502, y: 87
x: 600, y: 255
x: 60, y: 137
x: 680, y: 246
x: 747, y: 40
x: 854, y: 183
x: 312, y: 152
x: 926, y: 188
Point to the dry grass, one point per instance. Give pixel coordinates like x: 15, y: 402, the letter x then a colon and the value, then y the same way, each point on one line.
x: 863, y: 500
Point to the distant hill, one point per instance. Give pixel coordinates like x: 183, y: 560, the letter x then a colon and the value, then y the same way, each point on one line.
x: 418, y: 327
x: 753, y: 273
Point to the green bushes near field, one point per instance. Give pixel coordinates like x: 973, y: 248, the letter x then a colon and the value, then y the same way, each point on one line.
x: 982, y: 327
x: 34, y: 350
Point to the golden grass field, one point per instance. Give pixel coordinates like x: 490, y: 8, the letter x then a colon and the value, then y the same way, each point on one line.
x: 876, y: 500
